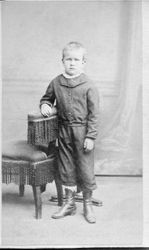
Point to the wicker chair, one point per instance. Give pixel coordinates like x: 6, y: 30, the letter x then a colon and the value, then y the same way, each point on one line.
x: 33, y: 162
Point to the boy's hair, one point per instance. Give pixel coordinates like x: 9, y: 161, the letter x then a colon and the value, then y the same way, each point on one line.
x: 74, y: 46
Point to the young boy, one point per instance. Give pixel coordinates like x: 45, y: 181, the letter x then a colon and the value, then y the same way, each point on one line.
x: 77, y: 106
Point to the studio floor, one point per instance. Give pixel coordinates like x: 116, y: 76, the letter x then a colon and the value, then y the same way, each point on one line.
x: 119, y: 220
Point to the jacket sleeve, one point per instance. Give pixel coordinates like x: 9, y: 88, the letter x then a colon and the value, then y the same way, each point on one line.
x: 49, y: 96
x: 93, y: 113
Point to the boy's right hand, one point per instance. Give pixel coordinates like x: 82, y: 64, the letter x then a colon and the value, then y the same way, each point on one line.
x: 45, y: 110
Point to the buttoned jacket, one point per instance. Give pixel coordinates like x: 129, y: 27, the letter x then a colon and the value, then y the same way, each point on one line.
x: 77, y: 102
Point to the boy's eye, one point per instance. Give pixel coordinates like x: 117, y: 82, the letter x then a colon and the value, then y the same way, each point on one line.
x: 71, y: 59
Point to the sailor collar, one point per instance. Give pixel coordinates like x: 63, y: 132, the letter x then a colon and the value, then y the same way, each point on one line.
x: 73, y: 82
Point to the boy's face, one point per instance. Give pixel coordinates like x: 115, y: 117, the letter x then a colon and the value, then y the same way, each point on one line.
x: 73, y: 62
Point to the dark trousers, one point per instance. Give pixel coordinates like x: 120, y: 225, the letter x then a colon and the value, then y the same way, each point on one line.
x: 76, y: 166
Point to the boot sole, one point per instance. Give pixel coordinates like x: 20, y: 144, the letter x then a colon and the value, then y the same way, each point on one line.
x: 68, y: 214
x: 91, y: 222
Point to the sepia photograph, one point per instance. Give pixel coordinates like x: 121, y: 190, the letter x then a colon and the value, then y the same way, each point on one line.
x: 72, y: 127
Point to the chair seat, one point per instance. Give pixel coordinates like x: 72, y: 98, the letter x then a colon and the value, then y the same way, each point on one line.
x: 23, y: 163
x: 21, y: 150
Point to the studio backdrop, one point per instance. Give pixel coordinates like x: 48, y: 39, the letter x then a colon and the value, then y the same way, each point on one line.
x: 33, y: 36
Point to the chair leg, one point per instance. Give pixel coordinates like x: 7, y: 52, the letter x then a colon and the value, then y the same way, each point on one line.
x: 38, y: 201
x: 21, y: 190
x: 59, y: 190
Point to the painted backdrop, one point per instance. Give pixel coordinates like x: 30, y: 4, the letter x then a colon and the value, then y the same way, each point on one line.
x: 33, y: 35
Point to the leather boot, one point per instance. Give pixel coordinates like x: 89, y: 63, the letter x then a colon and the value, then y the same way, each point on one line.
x: 88, y: 209
x: 69, y: 207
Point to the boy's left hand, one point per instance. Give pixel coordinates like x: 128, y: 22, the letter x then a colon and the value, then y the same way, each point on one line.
x: 88, y: 144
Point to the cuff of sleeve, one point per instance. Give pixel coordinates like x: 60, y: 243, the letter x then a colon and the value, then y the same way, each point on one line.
x: 92, y: 138
x: 46, y: 102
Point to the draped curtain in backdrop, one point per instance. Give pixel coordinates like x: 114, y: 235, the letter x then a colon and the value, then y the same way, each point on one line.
x: 120, y: 139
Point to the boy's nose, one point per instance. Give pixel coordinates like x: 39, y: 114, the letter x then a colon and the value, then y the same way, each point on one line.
x: 72, y: 62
